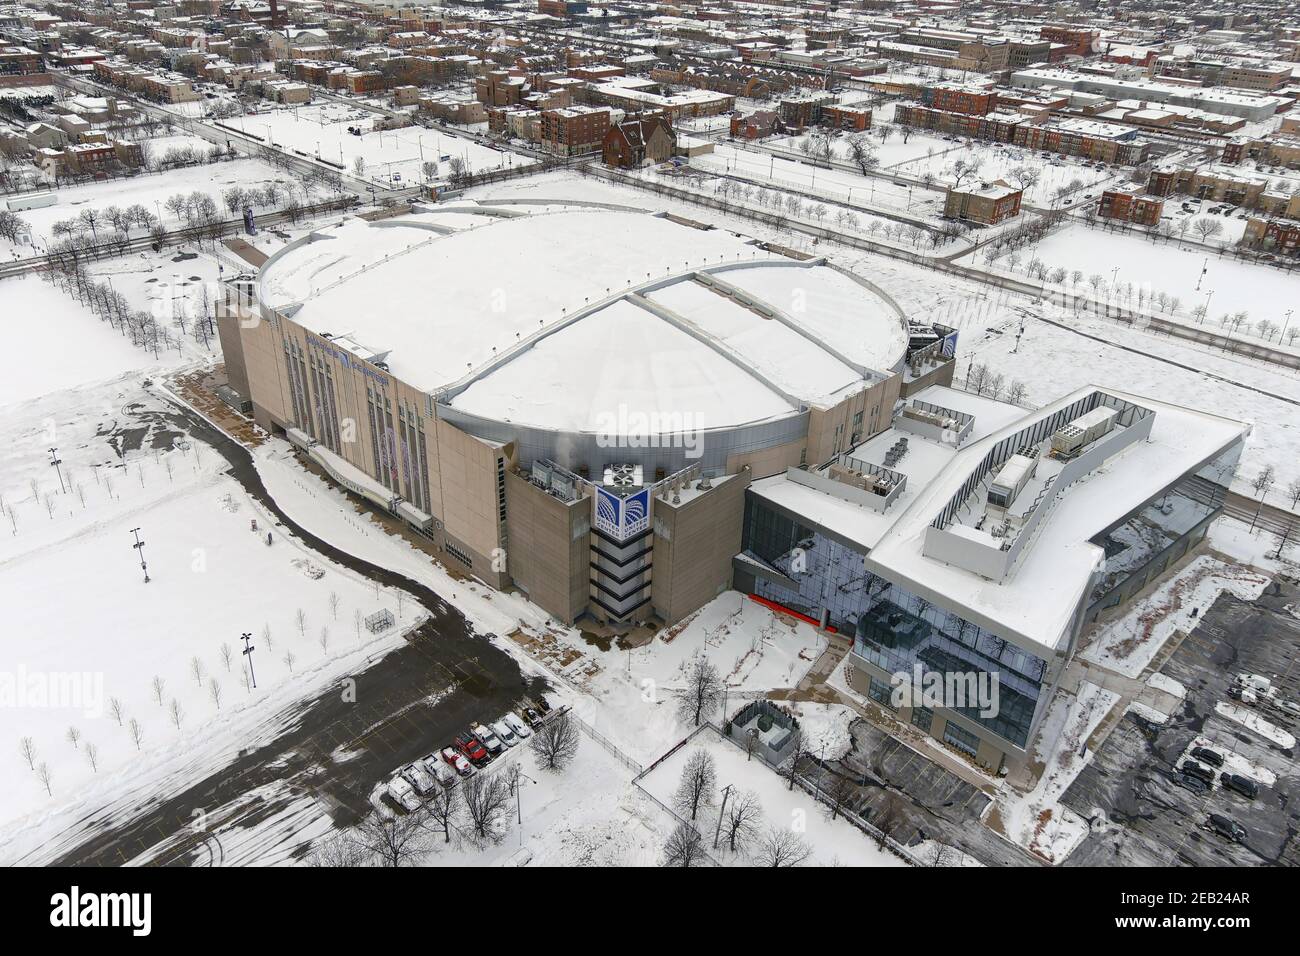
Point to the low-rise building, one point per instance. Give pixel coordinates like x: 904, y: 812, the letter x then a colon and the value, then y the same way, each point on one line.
x: 1128, y: 205
x: 984, y: 203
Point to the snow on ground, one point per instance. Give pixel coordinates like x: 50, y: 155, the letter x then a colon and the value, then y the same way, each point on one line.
x: 1130, y: 642
x: 150, y: 190
x: 1038, y: 821
x: 1252, y: 721
x: 824, y: 728
x: 1164, y: 682
x: 840, y: 185
x: 321, y: 130
x: 1233, y: 762
x: 934, y: 853
x: 1052, y: 361
x: 121, y: 634
x: 833, y: 842
x: 997, y: 160
x: 1262, y: 291
x: 62, y: 344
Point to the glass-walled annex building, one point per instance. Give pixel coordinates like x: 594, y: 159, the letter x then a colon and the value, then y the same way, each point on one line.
x: 811, y: 568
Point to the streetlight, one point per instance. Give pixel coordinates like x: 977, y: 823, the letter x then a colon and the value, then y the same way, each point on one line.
x: 55, y: 460
x: 139, y: 547
x: 1208, y: 295
x: 248, y: 652
x: 519, y: 811
x: 1282, y: 335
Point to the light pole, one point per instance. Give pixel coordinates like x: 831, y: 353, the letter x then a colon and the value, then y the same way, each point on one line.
x: 55, y: 460
x: 139, y: 547
x: 1282, y: 334
x: 1204, y: 268
x: 1208, y: 296
x: 519, y: 811
x: 248, y: 652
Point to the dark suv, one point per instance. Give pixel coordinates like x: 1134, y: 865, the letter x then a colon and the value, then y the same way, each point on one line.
x: 1243, y: 785
x: 1194, y: 769
x: 1226, y: 827
x: 1205, y: 755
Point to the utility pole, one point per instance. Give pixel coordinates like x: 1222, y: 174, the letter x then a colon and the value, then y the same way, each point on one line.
x: 717, y: 832
x: 55, y: 460
x: 248, y: 652
x: 139, y: 547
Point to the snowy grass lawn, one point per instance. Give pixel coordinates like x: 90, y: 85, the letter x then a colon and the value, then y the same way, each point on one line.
x: 1262, y: 291
x: 150, y: 190
x: 322, y: 130
x: 77, y: 610
x: 832, y: 842
x: 64, y: 343
x: 1129, y: 643
x: 632, y: 697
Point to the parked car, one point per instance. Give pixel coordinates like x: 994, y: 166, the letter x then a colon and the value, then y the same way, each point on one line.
x: 487, y: 739
x: 439, y: 769
x: 532, y: 716
x: 1194, y: 784
x: 468, y: 745
x: 401, y: 791
x: 1243, y: 785
x: 1205, y: 755
x: 419, y: 778
x: 505, y: 734
x: 518, y: 726
x: 456, y: 760
x: 1194, y: 769
x: 1224, y: 826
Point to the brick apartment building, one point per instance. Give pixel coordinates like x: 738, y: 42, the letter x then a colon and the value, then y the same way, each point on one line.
x: 574, y: 129
x: 1073, y: 40
x: 1134, y: 206
x: 1086, y: 138
x: 984, y: 203
x: 973, y: 100
x: 993, y: 127
x: 20, y: 61
x: 853, y: 118
x: 1281, y: 236
x: 756, y: 125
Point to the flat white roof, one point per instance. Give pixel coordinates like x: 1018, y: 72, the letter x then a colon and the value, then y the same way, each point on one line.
x: 1034, y: 604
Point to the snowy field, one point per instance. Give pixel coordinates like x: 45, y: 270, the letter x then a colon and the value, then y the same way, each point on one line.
x: 1228, y: 285
x: 1052, y: 361
x: 390, y: 156
x: 832, y: 842
x: 150, y: 190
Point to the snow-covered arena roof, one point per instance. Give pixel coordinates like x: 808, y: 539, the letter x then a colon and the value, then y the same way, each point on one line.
x: 555, y: 317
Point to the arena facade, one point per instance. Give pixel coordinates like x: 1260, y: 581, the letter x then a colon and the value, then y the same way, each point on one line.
x: 570, y: 400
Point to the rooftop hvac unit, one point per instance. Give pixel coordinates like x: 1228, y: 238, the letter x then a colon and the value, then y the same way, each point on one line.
x: 623, y: 476
x: 1087, y: 428
x: 1011, y: 480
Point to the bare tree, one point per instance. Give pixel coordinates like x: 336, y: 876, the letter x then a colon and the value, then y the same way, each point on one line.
x: 393, y: 842
x: 44, y: 776
x: 685, y: 847
x: 214, y: 691
x: 227, y: 655
x: 334, y: 604
x: 300, y: 618
x: 74, y: 737
x: 695, y: 789
x: 196, y: 670
x: 337, y: 851
x: 136, y: 732
x: 703, y: 691
x: 158, y: 687
x: 486, y: 798
x: 176, y: 712
x: 838, y: 794
x: 741, y: 819
x: 781, y: 847
x: 1293, y: 492
x: 27, y: 747
x: 555, y: 742
x: 92, y: 756
x: 444, y: 811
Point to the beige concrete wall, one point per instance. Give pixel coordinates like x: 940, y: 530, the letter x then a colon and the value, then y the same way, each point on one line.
x: 693, y: 546
x: 939, y: 375
x: 875, y: 403
x: 549, y: 547
x: 768, y: 461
